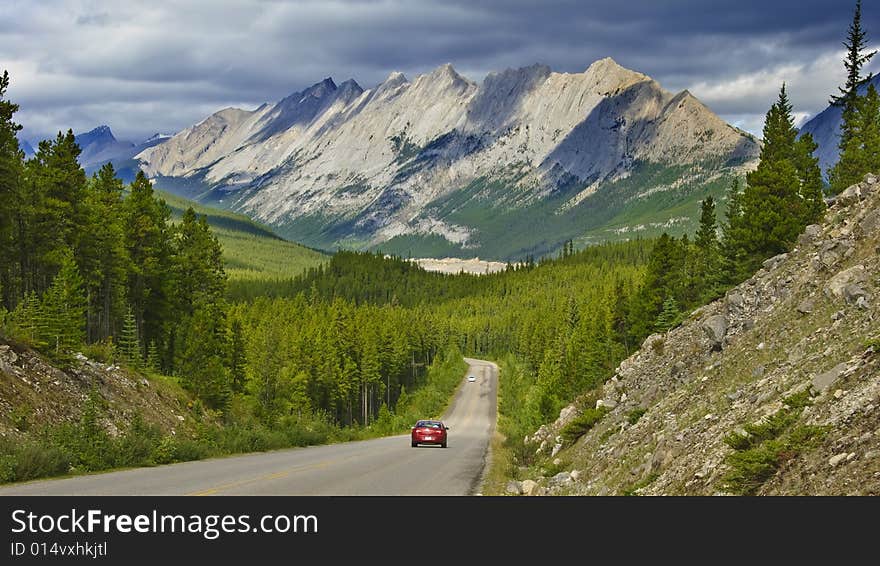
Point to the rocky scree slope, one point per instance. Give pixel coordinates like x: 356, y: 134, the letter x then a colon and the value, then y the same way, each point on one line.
x: 35, y: 393
x: 441, y: 156
x: 778, y: 382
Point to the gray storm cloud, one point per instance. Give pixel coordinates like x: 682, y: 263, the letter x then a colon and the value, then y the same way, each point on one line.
x: 143, y: 67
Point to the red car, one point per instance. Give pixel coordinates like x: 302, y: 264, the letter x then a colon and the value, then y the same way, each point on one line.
x: 429, y: 432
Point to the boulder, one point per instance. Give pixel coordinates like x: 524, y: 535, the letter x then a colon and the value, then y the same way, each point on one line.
x: 528, y: 487
x: 823, y: 381
x: 837, y: 459
x: 715, y: 328
x: 810, y: 234
x: 850, y: 196
x: 836, y: 285
x: 560, y: 479
x: 566, y: 414
x: 773, y: 262
x: 853, y: 292
x: 805, y: 307
x: 735, y: 301
x: 870, y: 223
x: 651, y: 339
x: 514, y: 487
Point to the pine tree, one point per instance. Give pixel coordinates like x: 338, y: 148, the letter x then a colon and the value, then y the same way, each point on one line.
x: 29, y: 321
x: 148, y: 247
x: 620, y: 316
x: 780, y: 195
x: 64, y: 307
x: 811, y: 184
x: 844, y: 174
x: 707, y: 273
x: 11, y: 170
x: 154, y: 361
x: 103, y: 256
x: 707, y: 234
x: 128, y: 345
x: 856, y: 42
x: 669, y: 317
x: 53, y: 216
x: 202, y: 368
x: 869, y: 117
x: 860, y: 154
x: 237, y: 357
x: 198, y: 264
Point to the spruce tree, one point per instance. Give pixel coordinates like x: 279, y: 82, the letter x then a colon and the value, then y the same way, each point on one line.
x: 860, y: 154
x: 103, y: 256
x: 848, y: 169
x: 856, y: 42
x: 781, y: 195
x: 708, y: 275
x: 237, y: 357
x: 28, y: 320
x: 64, y: 308
x: 148, y: 249
x: 201, y: 367
x: 669, y: 317
x: 128, y: 344
x: 11, y: 170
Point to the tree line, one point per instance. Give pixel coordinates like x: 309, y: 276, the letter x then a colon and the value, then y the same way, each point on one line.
x: 88, y: 260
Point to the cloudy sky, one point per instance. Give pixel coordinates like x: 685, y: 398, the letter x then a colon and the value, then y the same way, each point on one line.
x: 161, y: 65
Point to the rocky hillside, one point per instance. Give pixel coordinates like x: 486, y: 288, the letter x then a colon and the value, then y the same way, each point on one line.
x: 772, y: 390
x: 449, y: 165
x: 35, y: 393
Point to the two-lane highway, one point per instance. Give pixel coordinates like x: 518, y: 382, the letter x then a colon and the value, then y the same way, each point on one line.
x: 383, y: 466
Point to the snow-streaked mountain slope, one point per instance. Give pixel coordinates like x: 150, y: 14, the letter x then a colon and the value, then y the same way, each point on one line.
x: 442, y: 157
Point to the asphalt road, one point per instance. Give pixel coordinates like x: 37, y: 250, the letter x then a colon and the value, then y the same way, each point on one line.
x: 383, y: 466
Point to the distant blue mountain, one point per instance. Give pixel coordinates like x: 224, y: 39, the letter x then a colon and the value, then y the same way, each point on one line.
x: 825, y: 129
x: 100, y: 146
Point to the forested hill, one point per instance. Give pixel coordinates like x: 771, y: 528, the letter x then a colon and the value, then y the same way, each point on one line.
x: 254, y: 256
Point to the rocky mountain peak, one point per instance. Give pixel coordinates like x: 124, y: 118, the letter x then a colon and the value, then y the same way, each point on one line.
x: 101, y: 133
x: 446, y: 75
x: 409, y: 145
x: 321, y: 89
x: 351, y: 85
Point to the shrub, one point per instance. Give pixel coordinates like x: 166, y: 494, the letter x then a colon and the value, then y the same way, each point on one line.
x: 658, y: 345
x: 31, y: 460
x: 634, y: 415
x: 582, y: 424
x: 767, y: 445
x: 752, y: 467
x: 633, y: 489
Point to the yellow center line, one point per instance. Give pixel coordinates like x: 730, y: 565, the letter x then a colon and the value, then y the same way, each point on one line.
x: 267, y: 477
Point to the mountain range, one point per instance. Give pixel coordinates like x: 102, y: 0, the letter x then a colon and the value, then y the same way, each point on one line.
x: 440, y: 165
x: 100, y: 146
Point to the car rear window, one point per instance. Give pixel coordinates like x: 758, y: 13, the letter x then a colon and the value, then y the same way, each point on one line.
x: 429, y: 424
